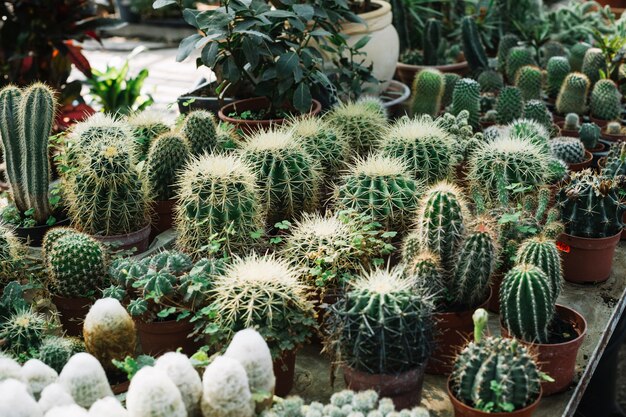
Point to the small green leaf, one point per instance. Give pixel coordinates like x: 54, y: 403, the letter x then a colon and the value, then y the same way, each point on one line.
x: 162, y: 3
x: 302, y: 98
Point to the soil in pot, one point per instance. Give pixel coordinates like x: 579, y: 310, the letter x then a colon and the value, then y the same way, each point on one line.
x: 33, y: 236
x: 137, y: 241
x: 72, y: 313
x: 158, y: 337
x: 463, y: 410
x: 587, y: 260
x: 405, y: 389
x: 285, y: 372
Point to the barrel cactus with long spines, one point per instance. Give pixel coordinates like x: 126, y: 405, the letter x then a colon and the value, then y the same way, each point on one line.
x: 589, y: 134
x: 200, y: 129
x: 544, y: 254
x: 55, y: 351
x: 570, y: 150
x: 450, y: 80
x: 605, y: 102
x: 12, y: 255
x: 473, y: 48
x: 538, y: 111
x: 510, y: 105
x: 527, y: 304
x: 531, y: 131
x: 358, y: 122
x: 147, y: 126
x: 572, y: 97
x: 594, y: 64
x: 507, y: 42
x: 167, y: 157
x: 490, y: 81
x: 577, y: 55
x: 557, y: 69
x: 466, y: 96
x: 518, y: 57
x: 428, y: 88
x: 615, y: 161
x: 529, y: 80
x: 23, y: 330
x: 424, y: 268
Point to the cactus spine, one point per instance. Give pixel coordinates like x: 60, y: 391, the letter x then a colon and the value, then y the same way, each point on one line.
x: 518, y: 57
x: 606, y: 100
x: 573, y: 95
x: 542, y: 252
x: 593, y: 64
x: 472, y: 47
x: 509, y: 105
x: 428, y: 88
x: 572, y: 122
x: 507, y: 42
x: 536, y: 110
x: 200, y: 129
x: 358, y: 122
x: 450, y: 79
x: 529, y: 80
x: 167, y: 156
x: 558, y: 67
x: 569, y: 150
x: 466, y: 96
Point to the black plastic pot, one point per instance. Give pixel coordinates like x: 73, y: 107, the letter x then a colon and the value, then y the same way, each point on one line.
x: 201, y: 98
x: 33, y: 236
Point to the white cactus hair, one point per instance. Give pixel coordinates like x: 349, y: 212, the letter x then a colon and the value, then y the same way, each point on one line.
x: 16, y: 400
x: 149, y: 117
x: 108, y: 407
x: 38, y: 376
x: 54, y: 395
x: 101, y: 120
x: 10, y: 369
x: 226, y: 390
x: 218, y: 166
x: 182, y: 373
x: 383, y: 281
x: 420, y: 127
x: 153, y: 394
x: 249, y: 348
x: 270, y: 139
x: 70, y: 410
x: 85, y: 380
x: 379, y: 165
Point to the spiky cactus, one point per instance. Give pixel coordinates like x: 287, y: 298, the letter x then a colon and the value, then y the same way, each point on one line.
x: 529, y: 80
x: 286, y: 175
x: 589, y: 134
x: 518, y: 57
x: 507, y: 42
x: 593, y: 64
x: 615, y: 161
x: 38, y: 376
x: 200, y: 129
x: 426, y: 147
x: 358, y: 122
x: 9, y: 368
x: 76, y: 264
x: 552, y: 49
x: 26, y: 119
x: 431, y: 39
x: 466, y: 96
x: 490, y: 81
x: 23, y: 331
x: 84, y: 378
x: 614, y: 128
x: 181, y: 372
x: 450, y: 80
x: 424, y: 269
x: 473, y: 48
x: 55, y: 351
x: 249, y: 349
x: 147, y: 126
x: 381, y: 187
x: 577, y: 55
x: 383, y: 326
x: 487, y: 361
x: 166, y: 158
x: 226, y: 391
x: 217, y: 194
x: 153, y: 394
x: 536, y: 110
x: 54, y: 395
x: 542, y: 252
x: 526, y: 303
x: 510, y: 105
x: 428, y: 88
x: 606, y: 101
x: 12, y: 256
x: 570, y: 150
x: 572, y: 97
x: 572, y: 122
x: 530, y: 131
x: 557, y: 69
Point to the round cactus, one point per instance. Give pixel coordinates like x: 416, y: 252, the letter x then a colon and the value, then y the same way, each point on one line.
x: 109, y: 332
x: 153, y: 394
x: 589, y: 134
x: 572, y: 122
x: 424, y: 269
x: 225, y: 390
x: 606, y: 100
x: 38, y: 376
x: 466, y: 96
x: 529, y: 80
x: 518, y: 57
x: 85, y: 380
x: 428, y: 88
x: 200, y: 129
x: 536, y: 110
x: 510, y: 105
x: 16, y: 401
x: 577, y: 55
x: 147, y: 126
x: 182, y: 373
x: 426, y: 147
x: 615, y: 161
x: 360, y: 123
x: 552, y: 49
x: 543, y: 253
x: 286, y: 175
x: 56, y: 351
x: 249, y: 348
x: 54, y: 395
x: 381, y: 187
x: 507, y: 42
x: 593, y: 64
x: 450, y: 80
x: 557, y: 69
x: 167, y: 157
x: 23, y: 330
x: 108, y: 407
x: 570, y: 150
x: 573, y: 94
x: 490, y: 81
x: 526, y: 303
x: 531, y: 131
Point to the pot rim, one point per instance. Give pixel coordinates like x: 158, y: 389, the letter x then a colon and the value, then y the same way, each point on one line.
x: 373, y: 21
x: 592, y: 239
x: 417, y: 369
x: 316, y: 107
x: 116, y: 237
x: 447, y: 67
x: 584, y: 163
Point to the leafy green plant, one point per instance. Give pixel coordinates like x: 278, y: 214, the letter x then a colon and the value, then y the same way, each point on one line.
x: 130, y: 366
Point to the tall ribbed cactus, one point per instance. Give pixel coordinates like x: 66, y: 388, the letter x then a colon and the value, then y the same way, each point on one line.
x: 509, y: 105
x: 473, y: 49
x: 543, y: 253
x: 577, y: 55
x: 593, y: 64
x: 466, y: 96
x: 606, y: 101
x: 615, y: 161
x: 200, y: 129
x: 428, y: 88
x: 431, y: 41
x: 507, y: 42
x: 167, y: 157
x: 529, y: 80
x: 573, y: 95
x: 26, y: 119
x: 518, y: 57
x: 557, y: 69
x: 589, y: 135
x: 448, y: 91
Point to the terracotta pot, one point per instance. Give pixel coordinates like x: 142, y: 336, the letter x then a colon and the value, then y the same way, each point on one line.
x: 163, y: 217
x: 159, y: 337
x: 463, y: 410
x: 406, y: 73
x: 558, y: 360
x: 120, y: 388
x: 452, y: 332
x: 569, y: 133
x: 285, y: 372
x: 404, y: 389
x: 139, y: 240
x: 255, y: 104
x: 582, y: 165
x: 601, y: 123
x: 72, y: 312
x: 598, y: 153
x: 612, y: 138
x: 587, y: 260
x: 484, y: 125
x: 33, y: 236
x: 558, y: 119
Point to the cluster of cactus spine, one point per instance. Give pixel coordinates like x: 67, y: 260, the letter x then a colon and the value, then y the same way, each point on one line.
x: 589, y: 134
x: 510, y: 105
x: 167, y: 157
x: 490, y: 81
x: 428, y: 88
x: 423, y: 268
x: 147, y: 126
x: 518, y: 57
x: 605, y: 102
x: 615, y: 161
x: 557, y: 69
x: 218, y: 198
x: 530, y: 131
x: 37, y: 376
x: 85, y: 380
x: 55, y: 351
x: 538, y: 111
x: 431, y: 41
x: 572, y: 97
x: 358, y: 122
x: 450, y: 80
x: 181, y: 372
x: 12, y: 254
x: 572, y: 122
x: 529, y: 80
x: 543, y: 253
x: 594, y: 64
x: 577, y: 55
x: 473, y: 49
x: 466, y: 96
x: 24, y: 330
x: 26, y: 119
x: 570, y: 150
x: 507, y: 42
x: 200, y: 129
x: 152, y: 394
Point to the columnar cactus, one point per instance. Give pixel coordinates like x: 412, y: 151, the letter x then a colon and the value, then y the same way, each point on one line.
x: 572, y: 122
x: 38, y: 376
x: 589, y: 134
x: 217, y: 193
x: 518, y: 57
x: 286, y: 175
x: 606, y: 101
x: 593, y: 64
x: 200, y: 129
x: 109, y: 332
x: 490, y: 81
x: 26, y: 119
x: 473, y: 49
x: 23, y: 330
x: 431, y: 41
x: 381, y: 187
x: 510, y: 105
x: 526, y: 303
x: 249, y: 349
x: 450, y: 80
x: 182, y: 373
x: 543, y: 253
x: 529, y: 80
x: 358, y: 122
x: 426, y: 147
x: 84, y: 378
x: 166, y: 158
x: 428, y: 88
x: 570, y: 150
x: 423, y: 268
x: 466, y: 96
x: 573, y: 95
x: 577, y: 55
x: 557, y: 69
x: 507, y: 42
x: 550, y: 50
x: 147, y: 126
x: 226, y: 391
x: 536, y: 110
x: 153, y: 394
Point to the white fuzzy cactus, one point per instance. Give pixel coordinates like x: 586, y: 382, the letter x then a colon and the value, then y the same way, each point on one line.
x: 182, y: 373
x: 226, y: 391
x: 85, y: 380
x: 16, y: 401
x: 71, y: 410
x: 153, y: 394
x: 37, y: 375
x: 10, y: 369
x: 107, y: 407
x: 249, y: 348
x: 54, y: 395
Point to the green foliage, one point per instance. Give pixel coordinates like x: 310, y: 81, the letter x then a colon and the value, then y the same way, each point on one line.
x: 509, y: 105
x: 594, y: 65
x: 362, y: 125
x: 573, y: 95
x: 538, y: 111
x: 518, y: 57
x: 577, y: 55
x: 168, y: 156
x: 450, y: 80
x: 542, y: 252
x: 490, y: 81
x: 200, y: 129
x: 529, y: 80
x: 472, y: 47
x: 466, y: 96
x: 507, y: 42
x: 428, y: 88
x: 605, y: 101
x: 589, y: 134
x: 557, y: 69
x: 570, y: 150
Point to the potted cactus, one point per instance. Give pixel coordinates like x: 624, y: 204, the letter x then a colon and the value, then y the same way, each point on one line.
x: 615, y: 165
x: 613, y: 132
x: 514, y: 390
x: 572, y: 152
x: 572, y: 96
x: 382, y: 334
x: 605, y: 102
x: 570, y: 126
x: 592, y: 211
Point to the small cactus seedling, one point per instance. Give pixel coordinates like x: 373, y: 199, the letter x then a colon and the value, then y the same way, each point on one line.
x: 153, y: 394
x: 570, y: 150
x: 572, y: 122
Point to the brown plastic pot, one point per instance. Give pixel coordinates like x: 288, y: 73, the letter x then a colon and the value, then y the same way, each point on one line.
x: 463, y: 410
x: 138, y: 240
x: 587, y: 260
x: 72, y: 313
x: 255, y: 104
x: 405, y: 389
x: 120, y: 388
x: 567, y: 132
x: 558, y: 360
x: 452, y: 331
x: 600, y: 122
x: 158, y: 337
x: 163, y: 217
x: 406, y: 73
x: 582, y: 165
x: 612, y: 138
x: 285, y: 372
x: 33, y: 236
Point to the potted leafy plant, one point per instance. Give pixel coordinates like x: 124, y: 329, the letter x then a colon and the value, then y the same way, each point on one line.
x: 382, y: 334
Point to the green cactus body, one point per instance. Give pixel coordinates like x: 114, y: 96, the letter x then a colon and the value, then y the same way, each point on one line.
x: 55, y: 352
x: 527, y: 305
x: 552, y: 49
x: 536, y: 110
x: 23, y: 331
x: 573, y: 95
x: 466, y: 96
x: 543, y: 253
x: 424, y: 268
x: 615, y: 161
x: 450, y: 80
x: 518, y: 57
x: 606, y: 101
x: 570, y: 150
x: 529, y: 80
x: 572, y: 122
x: 147, y: 126
x: 167, y: 157
x: 10, y: 131
x: 577, y: 55
x: 431, y: 41
x: 12, y: 256
x: 593, y: 64
x: 358, y: 122
x: 490, y: 81
x: 200, y: 129
x: 381, y: 187
x: 589, y: 134
x: 509, y: 105
x: 507, y: 42
x: 557, y: 69
x: 472, y: 47
x: 428, y: 88
x: 427, y: 148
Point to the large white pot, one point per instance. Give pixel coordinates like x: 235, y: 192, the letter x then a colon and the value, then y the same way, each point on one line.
x: 383, y: 49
